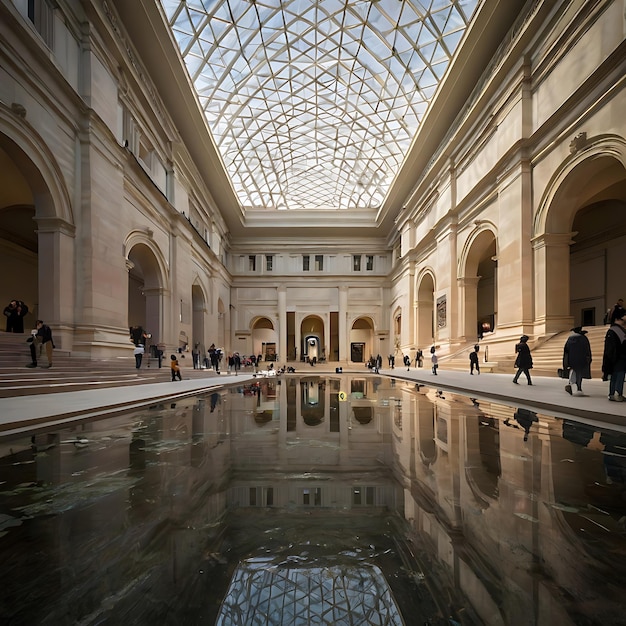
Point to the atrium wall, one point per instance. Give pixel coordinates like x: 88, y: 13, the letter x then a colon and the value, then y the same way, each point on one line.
x: 107, y: 218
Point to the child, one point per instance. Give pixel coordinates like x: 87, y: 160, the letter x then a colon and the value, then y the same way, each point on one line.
x: 175, y: 368
x: 434, y: 360
x: 474, y: 360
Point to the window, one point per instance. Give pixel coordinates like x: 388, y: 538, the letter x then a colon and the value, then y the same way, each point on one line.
x: 319, y: 263
x: 269, y: 262
x: 252, y: 263
x: 363, y: 496
x: 369, y: 263
x: 312, y: 497
x: 305, y: 262
x: 41, y: 14
x: 356, y: 262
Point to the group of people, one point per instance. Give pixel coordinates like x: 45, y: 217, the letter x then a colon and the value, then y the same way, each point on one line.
x: 40, y: 336
x: 577, y: 357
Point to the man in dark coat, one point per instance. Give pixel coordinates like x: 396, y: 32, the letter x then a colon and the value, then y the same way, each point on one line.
x: 614, y: 359
x: 577, y: 358
x: 524, y: 360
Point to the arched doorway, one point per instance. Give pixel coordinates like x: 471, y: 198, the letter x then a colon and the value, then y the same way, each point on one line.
x: 264, y: 339
x: 362, y: 340
x: 198, y: 305
x: 145, y: 292
x: 36, y: 232
x: 425, y: 305
x: 579, y: 233
x: 479, y: 285
x: 313, y: 346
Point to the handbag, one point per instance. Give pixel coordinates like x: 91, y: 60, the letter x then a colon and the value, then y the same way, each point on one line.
x: 562, y: 373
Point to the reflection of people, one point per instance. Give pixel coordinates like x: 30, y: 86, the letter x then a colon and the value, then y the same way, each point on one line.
x: 138, y: 352
x: 15, y: 312
x: 614, y: 359
x: 43, y: 336
x: 577, y: 358
x: 525, y: 419
x: 524, y: 360
x: 175, y: 367
x: 214, y: 399
x: 473, y: 357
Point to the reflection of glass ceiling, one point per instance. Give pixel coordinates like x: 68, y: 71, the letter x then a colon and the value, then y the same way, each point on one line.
x: 263, y: 593
x: 313, y: 103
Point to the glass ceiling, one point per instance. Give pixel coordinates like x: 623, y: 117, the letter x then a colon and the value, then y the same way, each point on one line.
x: 313, y: 104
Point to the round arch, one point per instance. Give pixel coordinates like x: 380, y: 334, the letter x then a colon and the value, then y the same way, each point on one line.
x: 362, y: 338
x: 425, y: 290
x: 264, y: 337
x: 147, y: 280
x: 198, y: 315
x: 313, y: 338
x: 35, y: 203
x: 478, y: 281
x: 578, y: 232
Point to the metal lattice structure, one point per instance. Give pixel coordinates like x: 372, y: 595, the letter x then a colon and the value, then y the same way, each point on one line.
x: 313, y: 104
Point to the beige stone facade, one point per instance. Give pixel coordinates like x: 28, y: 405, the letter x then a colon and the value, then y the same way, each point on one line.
x: 115, y: 209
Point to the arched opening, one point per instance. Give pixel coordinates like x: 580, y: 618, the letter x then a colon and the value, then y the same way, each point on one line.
x: 264, y: 339
x: 145, y: 292
x: 397, y: 334
x: 362, y: 340
x: 313, y: 347
x: 479, y: 285
x: 425, y: 312
x: 598, y: 246
x: 198, y: 305
x: 579, y: 232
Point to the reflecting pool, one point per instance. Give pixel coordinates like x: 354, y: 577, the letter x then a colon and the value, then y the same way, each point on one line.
x: 315, y: 500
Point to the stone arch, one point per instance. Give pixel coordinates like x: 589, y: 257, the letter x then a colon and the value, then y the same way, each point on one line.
x: 362, y: 335
x: 147, y: 285
x: 396, y: 334
x: 478, y: 285
x: 425, y: 290
x: 38, y: 245
x: 313, y: 338
x: 264, y: 337
x: 579, y: 233
x: 199, y: 301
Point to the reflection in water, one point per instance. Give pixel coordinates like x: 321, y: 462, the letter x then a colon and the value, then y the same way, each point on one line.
x: 385, y: 494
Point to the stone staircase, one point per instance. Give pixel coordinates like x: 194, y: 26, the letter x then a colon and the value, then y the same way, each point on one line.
x: 71, y: 373
x: 547, y: 355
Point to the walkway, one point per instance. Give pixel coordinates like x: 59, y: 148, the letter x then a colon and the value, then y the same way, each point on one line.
x: 547, y: 395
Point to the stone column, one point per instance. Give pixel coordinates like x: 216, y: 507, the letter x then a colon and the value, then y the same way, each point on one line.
x: 344, y: 336
x: 552, y: 289
x: 281, y: 344
x: 468, y: 306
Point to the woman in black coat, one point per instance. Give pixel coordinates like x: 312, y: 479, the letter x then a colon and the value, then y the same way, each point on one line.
x: 524, y: 360
x: 577, y: 358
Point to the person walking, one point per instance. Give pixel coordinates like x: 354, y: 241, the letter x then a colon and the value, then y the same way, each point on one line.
x: 43, y: 337
x: 473, y: 357
x: 175, y: 367
x: 577, y: 358
x: 407, y: 362
x: 614, y: 359
x: 138, y: 352
x: 524, y: 360
x: 434, y: 360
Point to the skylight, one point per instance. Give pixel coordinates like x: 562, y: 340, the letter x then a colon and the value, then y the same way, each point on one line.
x: 313, y: 104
